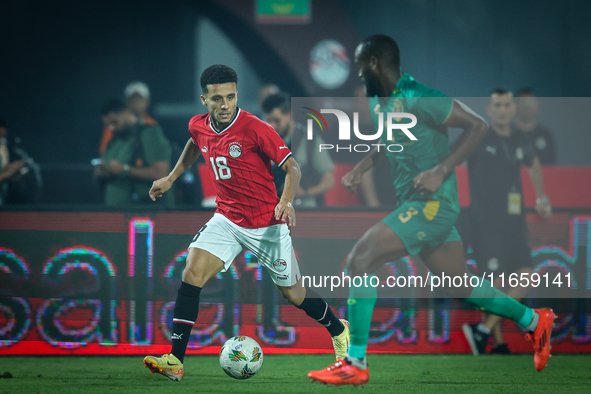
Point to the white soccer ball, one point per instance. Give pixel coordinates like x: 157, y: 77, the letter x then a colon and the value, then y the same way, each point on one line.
x: 241, y: 357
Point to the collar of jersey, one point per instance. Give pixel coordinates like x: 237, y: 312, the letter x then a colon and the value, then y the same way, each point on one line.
x: 403, y: 79
x: 228, y: 126
x: 399, y: 86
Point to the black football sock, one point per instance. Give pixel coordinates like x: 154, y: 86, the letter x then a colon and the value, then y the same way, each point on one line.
x: 185, y: 314
x: 318, y: 309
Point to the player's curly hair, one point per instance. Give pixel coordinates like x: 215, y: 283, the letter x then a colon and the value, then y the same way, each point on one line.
x: 382, y: 47
x: 216, y: 74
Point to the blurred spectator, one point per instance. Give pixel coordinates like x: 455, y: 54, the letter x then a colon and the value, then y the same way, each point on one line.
x: 8, y: 170
x: 266, y: 90
x: 187, y: 188
x: 137, y: 155
x: 20, y: 177
x: 541, y: 137
x: 317, y: 167
x: 500, y: 237
x: 137, y: 96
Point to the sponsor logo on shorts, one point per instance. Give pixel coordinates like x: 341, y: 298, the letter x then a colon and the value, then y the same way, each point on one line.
x: 279, y: 265
x: 235, y: 149
x: 283, y: 277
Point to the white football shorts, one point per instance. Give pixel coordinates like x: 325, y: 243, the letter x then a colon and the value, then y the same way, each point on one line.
x: 271, y: 245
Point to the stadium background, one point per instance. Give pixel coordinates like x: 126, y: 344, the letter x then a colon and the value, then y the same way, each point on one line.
x: 77, y: 279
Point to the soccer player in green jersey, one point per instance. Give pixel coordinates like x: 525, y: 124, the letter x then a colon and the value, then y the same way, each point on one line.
x: 424, y: 222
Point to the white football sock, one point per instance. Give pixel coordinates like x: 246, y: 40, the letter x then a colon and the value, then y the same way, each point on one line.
x: 360, y: 363
x: 482, y: 328
x: 534, y: 322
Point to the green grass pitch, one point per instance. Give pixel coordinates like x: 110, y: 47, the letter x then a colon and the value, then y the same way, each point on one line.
x: 287, y: 374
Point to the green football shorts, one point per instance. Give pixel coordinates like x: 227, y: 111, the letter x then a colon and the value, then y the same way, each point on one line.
x: 423, y: 223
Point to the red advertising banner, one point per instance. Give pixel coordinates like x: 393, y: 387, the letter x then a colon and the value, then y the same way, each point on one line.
x: 105, y: 283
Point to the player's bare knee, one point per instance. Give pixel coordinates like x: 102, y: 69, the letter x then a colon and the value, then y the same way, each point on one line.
x: 289, y: 297
x: 357, y: 266
x: 197, y: 273
x: 294, y: 294
x: 294, y: 301
x: 194, y: 276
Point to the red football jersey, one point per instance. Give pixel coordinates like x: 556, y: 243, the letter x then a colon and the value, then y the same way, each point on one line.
x: 239, y: 161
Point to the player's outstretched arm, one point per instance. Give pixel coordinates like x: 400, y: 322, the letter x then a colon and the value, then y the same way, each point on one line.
x: 475, y: 128
x: 284, y: 210
x: 190, y: 153
x: 352, y: 179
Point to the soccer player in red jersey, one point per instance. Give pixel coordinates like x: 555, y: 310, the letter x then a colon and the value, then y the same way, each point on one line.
x: 239, y: 148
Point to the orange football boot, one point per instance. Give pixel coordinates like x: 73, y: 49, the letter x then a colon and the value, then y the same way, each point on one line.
x: 540, y: 338
x: 339, y: 373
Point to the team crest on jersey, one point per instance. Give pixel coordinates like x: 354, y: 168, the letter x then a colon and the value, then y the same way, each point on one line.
x: 235, y: 149
x: 280, y: 265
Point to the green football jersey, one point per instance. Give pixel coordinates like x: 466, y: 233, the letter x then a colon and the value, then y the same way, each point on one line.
x: 431, y: 108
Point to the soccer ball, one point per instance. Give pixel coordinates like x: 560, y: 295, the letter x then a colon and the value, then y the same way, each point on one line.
x: 241, y: 357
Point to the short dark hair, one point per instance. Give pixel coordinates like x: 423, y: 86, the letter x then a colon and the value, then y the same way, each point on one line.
x: 3, y: 122
x: 525, y: 91
x: 279, y: 100
x: 113, y: 105
x: 499, y: 91
x: 216, y: 74
x: 383, y: 47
